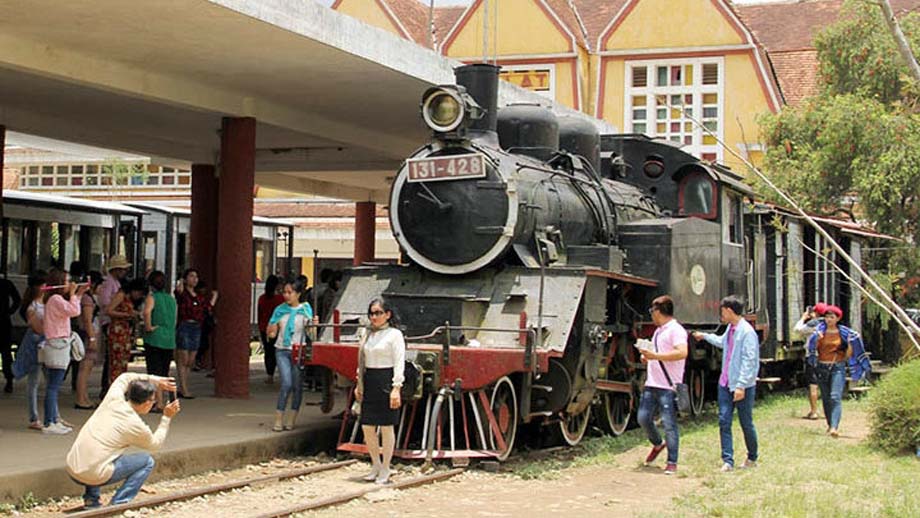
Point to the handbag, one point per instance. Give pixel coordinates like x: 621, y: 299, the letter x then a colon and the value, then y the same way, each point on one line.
x: 681, y: 389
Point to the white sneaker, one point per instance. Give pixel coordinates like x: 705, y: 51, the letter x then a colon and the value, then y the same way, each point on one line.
x: 56, y: 429
x: 65, y: 425
x: 383, y: 477
x: 727, y: 468
x: 372, y: 475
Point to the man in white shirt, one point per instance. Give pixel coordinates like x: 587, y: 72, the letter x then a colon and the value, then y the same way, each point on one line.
x: 97, y: 456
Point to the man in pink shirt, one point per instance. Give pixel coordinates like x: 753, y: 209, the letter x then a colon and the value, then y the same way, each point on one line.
x: 665, y: 368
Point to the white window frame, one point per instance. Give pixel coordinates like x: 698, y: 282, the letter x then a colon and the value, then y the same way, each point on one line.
x: 697, y: 90
x: 551, y: 67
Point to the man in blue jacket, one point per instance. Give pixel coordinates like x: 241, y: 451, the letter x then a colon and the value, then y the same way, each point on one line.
x: 740, y: 363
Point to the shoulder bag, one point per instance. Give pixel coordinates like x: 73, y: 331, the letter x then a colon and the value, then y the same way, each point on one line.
x: 681, y: 389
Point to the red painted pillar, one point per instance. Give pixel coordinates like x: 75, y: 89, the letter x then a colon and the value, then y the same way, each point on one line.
x: 365, y: 231
x: 2, y: 147
x: 234, y: 257
x: 203, y: 226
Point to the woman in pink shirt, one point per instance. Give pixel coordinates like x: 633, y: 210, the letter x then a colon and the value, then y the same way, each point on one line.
x: 62, y: 303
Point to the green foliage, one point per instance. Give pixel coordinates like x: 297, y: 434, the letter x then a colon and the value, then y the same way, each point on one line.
x: 858, y: 55
x: 855, y: 148
x: 123, y: 172
x: 895, y: 409
x: 873, y: 310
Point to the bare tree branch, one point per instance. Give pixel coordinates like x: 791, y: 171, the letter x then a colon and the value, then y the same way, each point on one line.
x: 900, y: 39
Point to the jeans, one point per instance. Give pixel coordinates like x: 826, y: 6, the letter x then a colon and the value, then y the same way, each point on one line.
x: 32, y: 391
x: 652, y: 400
x: 832, y: 380
x: 745, y: 417
x: 133, y: 469
x: 54, y: 377
x: 290, y: 380
x: 268, y: 346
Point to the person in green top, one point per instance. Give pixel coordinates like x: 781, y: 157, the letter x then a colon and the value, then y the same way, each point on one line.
x: 159, y: 328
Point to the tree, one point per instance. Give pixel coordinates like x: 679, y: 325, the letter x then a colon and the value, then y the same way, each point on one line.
x: 856, y: 145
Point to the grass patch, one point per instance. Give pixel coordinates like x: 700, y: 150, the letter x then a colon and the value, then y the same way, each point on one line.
x: 801, y: 471
x: 895, y: 409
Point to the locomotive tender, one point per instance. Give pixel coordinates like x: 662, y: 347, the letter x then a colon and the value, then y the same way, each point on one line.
x: 533, y: 247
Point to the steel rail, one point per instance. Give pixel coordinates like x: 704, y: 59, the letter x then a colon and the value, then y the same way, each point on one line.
x: 347, y: 497
x: 217, y: 488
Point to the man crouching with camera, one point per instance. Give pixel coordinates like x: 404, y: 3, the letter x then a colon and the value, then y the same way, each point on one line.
x: 97, y: 457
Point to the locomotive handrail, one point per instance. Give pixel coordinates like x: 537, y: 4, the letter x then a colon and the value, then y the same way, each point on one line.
x: 440, y: 329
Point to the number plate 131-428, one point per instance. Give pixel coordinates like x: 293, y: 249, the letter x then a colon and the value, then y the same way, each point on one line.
x: 454, y: 167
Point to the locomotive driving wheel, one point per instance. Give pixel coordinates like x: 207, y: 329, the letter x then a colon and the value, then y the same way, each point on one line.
x: 505, y: 409
x: 573, y: 427
x: 615, y: 412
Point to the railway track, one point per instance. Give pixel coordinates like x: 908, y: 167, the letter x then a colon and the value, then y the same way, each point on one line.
x: 263, y: 481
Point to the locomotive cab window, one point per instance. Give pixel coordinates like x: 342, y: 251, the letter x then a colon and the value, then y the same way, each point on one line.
x: 697, y: 195
x: 731, y: 221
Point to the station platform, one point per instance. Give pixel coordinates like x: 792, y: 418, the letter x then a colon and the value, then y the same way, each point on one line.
x: 208, y: 434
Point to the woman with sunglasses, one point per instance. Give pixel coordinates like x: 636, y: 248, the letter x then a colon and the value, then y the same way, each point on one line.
x: 381, y: 363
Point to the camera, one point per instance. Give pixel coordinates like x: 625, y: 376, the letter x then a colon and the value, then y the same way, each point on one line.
x: 169, y: 397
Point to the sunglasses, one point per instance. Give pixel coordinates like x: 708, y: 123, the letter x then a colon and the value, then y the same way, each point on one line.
x: 377, y: 313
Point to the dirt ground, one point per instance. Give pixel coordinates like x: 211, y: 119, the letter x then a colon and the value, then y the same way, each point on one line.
x: 620, y: 487
x: 625, y: 489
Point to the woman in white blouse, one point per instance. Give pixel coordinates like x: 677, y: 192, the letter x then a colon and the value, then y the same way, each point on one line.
x: 381, y: 363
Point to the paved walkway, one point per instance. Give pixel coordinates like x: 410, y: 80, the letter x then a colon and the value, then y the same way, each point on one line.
x: 209, y: 433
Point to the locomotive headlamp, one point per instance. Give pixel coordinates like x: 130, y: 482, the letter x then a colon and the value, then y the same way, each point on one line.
x: 447, y: 108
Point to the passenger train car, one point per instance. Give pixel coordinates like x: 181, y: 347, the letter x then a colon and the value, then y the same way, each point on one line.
x: 40, y: 231
x: 532, y: 248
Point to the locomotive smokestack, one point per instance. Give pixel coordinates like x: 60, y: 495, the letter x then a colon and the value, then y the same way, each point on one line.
x: 481, y: 82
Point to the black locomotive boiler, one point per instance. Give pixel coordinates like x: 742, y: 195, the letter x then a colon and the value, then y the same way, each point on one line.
x: 532, y: 247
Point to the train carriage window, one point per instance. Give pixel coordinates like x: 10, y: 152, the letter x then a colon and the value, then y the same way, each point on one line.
x: 697, y: 195
x: 734, y: 220
x: 14, y: 247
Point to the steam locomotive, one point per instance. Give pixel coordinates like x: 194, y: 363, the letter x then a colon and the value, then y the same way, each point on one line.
x: 532, y: 247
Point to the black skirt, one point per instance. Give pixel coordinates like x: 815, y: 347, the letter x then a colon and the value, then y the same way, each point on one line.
x: 375, y: 407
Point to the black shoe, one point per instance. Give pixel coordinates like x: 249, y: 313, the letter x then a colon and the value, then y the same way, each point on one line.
x: 183, y: 396
x: 8, y: 388
x: 87, y: 407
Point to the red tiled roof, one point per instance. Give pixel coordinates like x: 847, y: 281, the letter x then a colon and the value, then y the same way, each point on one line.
x: 786, y: 30
x: 309, y: 210
x: 596, y: 15
x: 569, y: 20
x: 797, y: 73
x: 413, y: 16
x: 444, y: 20
x: 793, y: 25
x: 789, y: 25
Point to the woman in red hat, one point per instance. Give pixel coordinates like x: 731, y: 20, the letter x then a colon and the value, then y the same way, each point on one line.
x: 831, y: 349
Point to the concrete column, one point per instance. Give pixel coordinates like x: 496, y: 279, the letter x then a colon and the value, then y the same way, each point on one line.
x: 234, y: 257
x: 2, y: 147
x: 365, y: 231
x: 203, y: 226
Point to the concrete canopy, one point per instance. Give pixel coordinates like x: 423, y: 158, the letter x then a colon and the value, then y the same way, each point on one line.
x: 336, y: 100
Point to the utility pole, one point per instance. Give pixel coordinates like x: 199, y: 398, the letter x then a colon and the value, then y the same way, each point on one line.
x: 431, y: 37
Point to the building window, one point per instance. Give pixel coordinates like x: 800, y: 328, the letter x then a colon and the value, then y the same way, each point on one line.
x: 88, y: 177
x: 670, y: 99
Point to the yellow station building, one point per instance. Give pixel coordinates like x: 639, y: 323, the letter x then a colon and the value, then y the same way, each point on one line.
x: 660, y: 67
